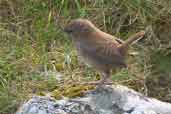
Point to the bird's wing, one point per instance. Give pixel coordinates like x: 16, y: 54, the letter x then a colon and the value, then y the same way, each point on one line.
x: 119, y: 40
x: 108, y: 54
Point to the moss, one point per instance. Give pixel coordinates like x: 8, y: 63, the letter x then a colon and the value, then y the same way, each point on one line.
x: 56, y: 94
x: 71, y: 91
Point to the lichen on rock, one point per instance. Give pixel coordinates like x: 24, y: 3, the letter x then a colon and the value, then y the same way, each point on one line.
x: 103, y: 100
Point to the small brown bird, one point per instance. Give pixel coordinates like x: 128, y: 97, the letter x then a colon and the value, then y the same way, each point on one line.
x: 102, y: 51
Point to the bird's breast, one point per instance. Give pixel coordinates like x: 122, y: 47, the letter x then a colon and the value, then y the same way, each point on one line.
x: 85, y: 53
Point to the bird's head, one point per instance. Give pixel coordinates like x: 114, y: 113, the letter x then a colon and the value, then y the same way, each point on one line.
x: 79, y: 27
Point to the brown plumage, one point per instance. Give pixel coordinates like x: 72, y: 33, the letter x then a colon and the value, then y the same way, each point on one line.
x: 102, y: 51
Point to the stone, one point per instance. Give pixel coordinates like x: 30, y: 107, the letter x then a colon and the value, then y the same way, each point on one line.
x: 103, y: 100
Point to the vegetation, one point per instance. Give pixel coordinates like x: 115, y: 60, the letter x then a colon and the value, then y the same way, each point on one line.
x: 36, y: 57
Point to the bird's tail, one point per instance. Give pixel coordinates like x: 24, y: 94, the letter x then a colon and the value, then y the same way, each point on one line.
x: 124, y: 46
x: 133, y: 38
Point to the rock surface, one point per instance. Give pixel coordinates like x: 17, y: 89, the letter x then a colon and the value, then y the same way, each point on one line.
x: 105, y: 100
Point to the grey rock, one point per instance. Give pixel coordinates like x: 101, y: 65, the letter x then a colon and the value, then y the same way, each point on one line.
x: 104, y: 100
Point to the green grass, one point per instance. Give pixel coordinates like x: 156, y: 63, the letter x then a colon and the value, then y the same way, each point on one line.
x: 33, y: 48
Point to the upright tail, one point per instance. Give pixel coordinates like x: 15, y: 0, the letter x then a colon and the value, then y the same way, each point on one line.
x: 133, y: 38
x: 124, y: 46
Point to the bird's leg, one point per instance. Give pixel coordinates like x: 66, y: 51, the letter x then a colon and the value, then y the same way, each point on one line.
x: 105, y: 79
